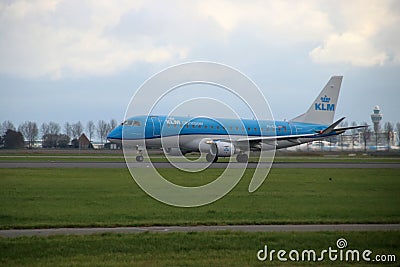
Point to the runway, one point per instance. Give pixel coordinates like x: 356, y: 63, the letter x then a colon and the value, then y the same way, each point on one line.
x: 278, y: 165
x: 201, y: 228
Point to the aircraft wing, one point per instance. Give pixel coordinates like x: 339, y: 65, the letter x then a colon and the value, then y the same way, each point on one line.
x: 276, y: 138
x: 255, y: 142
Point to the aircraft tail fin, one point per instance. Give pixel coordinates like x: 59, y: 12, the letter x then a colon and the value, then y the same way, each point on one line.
x: 324, y: 106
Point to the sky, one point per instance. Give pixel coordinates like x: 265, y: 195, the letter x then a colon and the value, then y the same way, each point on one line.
x: 67, y: 60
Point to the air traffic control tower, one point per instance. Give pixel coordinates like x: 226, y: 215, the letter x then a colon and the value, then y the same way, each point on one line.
x: 376, y: 118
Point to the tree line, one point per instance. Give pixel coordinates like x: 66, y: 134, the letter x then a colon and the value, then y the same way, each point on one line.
x: 52, y: 134
x: 55, y: 136
x: 367, y: 132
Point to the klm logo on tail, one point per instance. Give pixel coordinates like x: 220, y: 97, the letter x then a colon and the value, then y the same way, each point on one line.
x: 325, y: 104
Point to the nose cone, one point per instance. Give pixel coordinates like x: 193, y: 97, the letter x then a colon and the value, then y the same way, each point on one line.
x: 115, y: 136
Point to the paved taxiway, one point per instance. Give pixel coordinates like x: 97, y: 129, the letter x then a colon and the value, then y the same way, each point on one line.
x: 279, y: 165
x: 171, y: 229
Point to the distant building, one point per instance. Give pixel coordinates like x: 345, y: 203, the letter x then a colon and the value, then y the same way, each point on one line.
x: 376, y: 118
x: 84, y: 142
x: 98, y: 145
x: 377, y: 139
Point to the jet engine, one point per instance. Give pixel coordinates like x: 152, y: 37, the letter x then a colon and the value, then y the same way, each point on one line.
x: 223, y: 149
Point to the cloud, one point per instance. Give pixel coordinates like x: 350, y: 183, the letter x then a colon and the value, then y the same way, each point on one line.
x: 348, y: 32
x: 61, y: 38
x: 356, y: 40
x: 348, y: 48
x: 285, y: 21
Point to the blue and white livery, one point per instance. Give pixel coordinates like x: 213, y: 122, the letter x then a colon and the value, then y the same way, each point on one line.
x: 221, y: 137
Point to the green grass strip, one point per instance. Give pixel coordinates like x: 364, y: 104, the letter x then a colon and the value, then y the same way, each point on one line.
x: 35, y: 198
x: 189, y: 249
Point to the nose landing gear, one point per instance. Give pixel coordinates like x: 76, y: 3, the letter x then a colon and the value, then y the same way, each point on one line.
x: 139, y: 158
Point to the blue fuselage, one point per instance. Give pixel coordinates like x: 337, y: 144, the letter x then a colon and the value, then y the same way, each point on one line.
x: 150, y: 127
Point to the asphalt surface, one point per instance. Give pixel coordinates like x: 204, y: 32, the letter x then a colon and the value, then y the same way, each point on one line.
x: 279, y: 165
x: 173, y: 229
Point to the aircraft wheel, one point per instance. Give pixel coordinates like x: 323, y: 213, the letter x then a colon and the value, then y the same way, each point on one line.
x: 211, y: 158
x: 242, y: 158
x: 139, y: 158
x: 215, y: 159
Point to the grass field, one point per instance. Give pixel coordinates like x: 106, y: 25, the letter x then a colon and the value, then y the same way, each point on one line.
x: 32, y: 198
x: 189, y: 249
x: 161, y: 158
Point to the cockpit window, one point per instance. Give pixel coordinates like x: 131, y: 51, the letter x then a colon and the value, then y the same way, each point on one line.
x: 132, y: 123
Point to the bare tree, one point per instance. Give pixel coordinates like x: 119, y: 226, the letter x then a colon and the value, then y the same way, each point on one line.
x: 113, y: 124
x: 6, y: 125
x: 342, y: 124
x: 44, y: 129
x: 102, y: 130
x: 366, y: 134
x: 68, y: 129
x: 77, y: 129
x: 353, y: 134
x: 30, y: 131
x: 388, y: 133
x: 54, y: 128
x: 398, y: 131
x: 90, y: 128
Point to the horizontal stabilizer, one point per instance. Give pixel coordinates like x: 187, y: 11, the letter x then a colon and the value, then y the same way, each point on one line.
x: 351, y: 127
x: 331, y: 127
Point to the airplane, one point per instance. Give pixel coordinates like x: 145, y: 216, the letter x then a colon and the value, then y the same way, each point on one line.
x: 222, y: 137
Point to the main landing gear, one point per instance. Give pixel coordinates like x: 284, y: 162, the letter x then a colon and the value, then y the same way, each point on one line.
x: 242, y: 158
x: 211, y: 158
